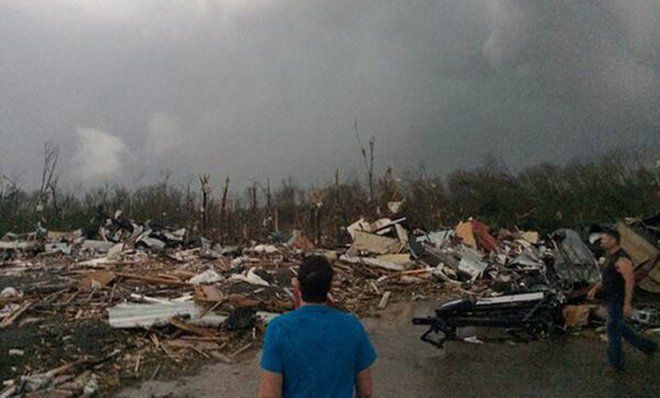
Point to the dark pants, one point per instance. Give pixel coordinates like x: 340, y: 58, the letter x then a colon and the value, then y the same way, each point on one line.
x: 616, y: 329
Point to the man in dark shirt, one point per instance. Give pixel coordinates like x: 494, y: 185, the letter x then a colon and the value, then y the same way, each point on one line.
x: 316, y: 351
x: 617, y: 285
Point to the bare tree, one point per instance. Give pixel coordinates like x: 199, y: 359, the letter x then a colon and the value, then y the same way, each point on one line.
x: 52, y: 186
x: 368, y: 163
x: 11, y: 193
x: 337, y: 198
x: 253, y: 198
x: 13, y: 182
x: 316, y: 200
x: 224, y: 219
x: 48, y: 189
x: 268, y: 216
x: 372, y: 142
x: 269, y: 198
x: 205, y: 180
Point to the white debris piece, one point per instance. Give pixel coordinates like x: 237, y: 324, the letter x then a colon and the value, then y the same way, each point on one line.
x: 152, y: 243
x: 14, y: 352
x: 250, y: 278
x: 267, y: 249
x: 96, y: 262
x: 359, y: 225
x: 100, y: 246
x: 372, y: 243
x: 472, y: 340
x: 92, y: 386
x: 54, y: 248
x: 115, y: 252
x: 18, y: 245
x: 127, y: 315
x: 411, y: 279
x: 438, y: 238
x: 445, y: 273
x: 267, y: 316
x: 375, y: 262
x: 394, y: 207
x: 206, y: 277
x: 209, y: 321
x: 238, y: 261
x: 383, y: 300
x: 471, y: 263
x: 9, y: 309
x: 10, y: 292
x: 156, y: 300
x: 514, y: 298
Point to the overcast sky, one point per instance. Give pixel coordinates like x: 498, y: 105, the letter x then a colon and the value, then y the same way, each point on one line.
x: 271, y: 88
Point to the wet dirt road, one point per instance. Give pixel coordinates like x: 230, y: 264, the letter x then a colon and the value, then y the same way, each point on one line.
x: 406, y: 367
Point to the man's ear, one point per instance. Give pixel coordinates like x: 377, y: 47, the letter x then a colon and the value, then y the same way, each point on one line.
x: 295, y: 283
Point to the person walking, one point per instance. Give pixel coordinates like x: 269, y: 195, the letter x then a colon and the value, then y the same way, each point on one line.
x: 616, y: 286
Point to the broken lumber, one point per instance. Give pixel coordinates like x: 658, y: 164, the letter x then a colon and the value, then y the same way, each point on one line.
x: 384, y: 300
x: 14, y: 315
x: 200, y: 331
x: 155, y: 280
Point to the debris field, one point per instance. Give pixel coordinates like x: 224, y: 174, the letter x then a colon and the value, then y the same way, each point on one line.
x: 82, y: 314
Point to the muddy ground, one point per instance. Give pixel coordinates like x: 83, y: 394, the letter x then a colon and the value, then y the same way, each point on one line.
x: 558, y: 367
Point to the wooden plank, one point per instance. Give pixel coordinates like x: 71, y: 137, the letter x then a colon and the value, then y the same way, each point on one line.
x: 384, y: 300
x: 11, y: 318
x: 154, y: 280
x: 98, y: 279
x: 207, y: 293
x: 200, y: 331
x: 240, y: 350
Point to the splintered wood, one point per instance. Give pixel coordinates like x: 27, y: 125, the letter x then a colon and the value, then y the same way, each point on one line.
x: 383, y: 301
x: 136, y: 290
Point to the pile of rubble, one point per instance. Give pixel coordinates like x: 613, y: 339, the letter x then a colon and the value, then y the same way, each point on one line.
x: 80, y: 311
x: 88, y: 310
x: 469, y: 257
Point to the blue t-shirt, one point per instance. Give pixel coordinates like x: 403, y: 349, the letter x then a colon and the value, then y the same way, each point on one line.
x: 318, y: 350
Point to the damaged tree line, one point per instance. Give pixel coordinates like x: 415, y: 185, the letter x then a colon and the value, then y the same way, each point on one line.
x: 543, y: 197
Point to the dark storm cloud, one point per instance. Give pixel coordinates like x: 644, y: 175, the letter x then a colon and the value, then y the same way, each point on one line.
x: 271, y: 88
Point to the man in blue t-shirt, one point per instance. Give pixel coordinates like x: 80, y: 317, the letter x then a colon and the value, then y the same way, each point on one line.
x: 316, y: 351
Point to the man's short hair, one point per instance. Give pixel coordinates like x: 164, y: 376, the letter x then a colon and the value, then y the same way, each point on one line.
x: 613, y: 233
x: 315, y: 278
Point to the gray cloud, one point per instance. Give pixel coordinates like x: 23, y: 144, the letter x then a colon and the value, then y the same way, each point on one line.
x: 163, y: 135
x: 99, y: 156
x: 271, y: 88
